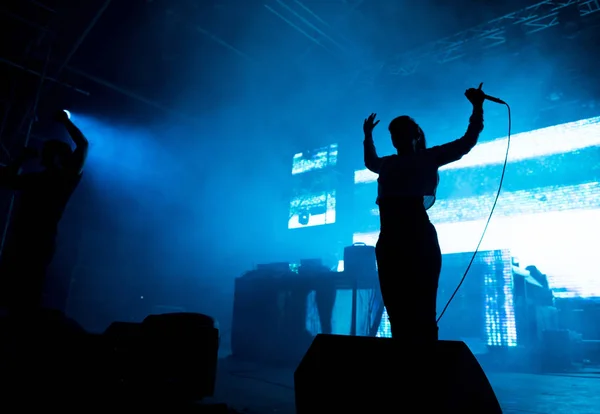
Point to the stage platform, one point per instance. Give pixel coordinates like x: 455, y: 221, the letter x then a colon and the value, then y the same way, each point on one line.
x: 257, y: 389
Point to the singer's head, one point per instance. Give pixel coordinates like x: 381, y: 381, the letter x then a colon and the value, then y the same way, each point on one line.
x: 55, y: 153
x: 407, y: 135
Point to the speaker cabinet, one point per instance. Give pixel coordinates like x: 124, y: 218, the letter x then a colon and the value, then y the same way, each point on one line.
x: 340, y: 373
x: 181, y: 351
x: 168, y: 356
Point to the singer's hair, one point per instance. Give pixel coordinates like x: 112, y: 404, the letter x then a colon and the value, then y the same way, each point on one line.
x: 404, y: 130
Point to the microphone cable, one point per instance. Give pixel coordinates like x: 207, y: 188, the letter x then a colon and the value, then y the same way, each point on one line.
x: 488, y: 220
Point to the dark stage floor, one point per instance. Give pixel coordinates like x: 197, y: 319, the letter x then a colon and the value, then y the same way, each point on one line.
x: 256, y: 389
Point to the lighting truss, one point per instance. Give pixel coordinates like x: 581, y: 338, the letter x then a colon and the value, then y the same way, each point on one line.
x: 532, y: 19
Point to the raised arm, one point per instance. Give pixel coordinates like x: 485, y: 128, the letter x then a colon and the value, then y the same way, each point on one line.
x: 455, y: 150
x: 77, y: 159
x: 372, y: 160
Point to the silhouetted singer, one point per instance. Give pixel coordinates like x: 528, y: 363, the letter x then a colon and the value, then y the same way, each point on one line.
x: 39, y: 205
x: 408, y: 253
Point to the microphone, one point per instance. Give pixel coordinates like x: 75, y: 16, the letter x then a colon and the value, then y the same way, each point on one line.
x: 491, y: 98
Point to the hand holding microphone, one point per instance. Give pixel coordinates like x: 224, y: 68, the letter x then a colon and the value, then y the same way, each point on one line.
x: 477, y: 96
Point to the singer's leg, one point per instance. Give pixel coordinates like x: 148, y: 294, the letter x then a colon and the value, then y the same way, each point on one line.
x: 425, y: 266
x: 409, y: 273
x: 389, y: 267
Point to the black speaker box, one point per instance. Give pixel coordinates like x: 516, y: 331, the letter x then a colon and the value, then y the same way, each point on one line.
x: 182, y: 352
x: 350, y: 373
x: 169, y: 356
x: 124, y: 362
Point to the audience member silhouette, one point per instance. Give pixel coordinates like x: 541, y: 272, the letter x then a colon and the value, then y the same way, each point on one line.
x: 40, y: 199
x: 408, y: 253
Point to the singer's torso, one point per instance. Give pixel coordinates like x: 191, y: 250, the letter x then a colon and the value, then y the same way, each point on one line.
x: 411, y: 177
x: 402, y: 217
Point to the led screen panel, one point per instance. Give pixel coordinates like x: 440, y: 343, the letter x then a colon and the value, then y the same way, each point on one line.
x: 313, y: 201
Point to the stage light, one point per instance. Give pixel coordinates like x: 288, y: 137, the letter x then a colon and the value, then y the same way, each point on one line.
x: 68, y: 113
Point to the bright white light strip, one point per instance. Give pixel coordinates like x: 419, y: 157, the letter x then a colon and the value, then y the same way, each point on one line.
x: 556, y: 139
x: 556, y: 198
x: 562, y: 244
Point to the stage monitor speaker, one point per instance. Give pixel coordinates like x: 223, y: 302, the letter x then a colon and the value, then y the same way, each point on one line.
x: 350, y: 373
x: 181, y: 351
x: 124, y: 363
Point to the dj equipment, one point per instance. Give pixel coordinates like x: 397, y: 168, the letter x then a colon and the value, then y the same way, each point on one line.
x: 345, y: 373
x: 359, y: 260
x: 269, y: 315
x: 360, y: 263
x: 269, y: 321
